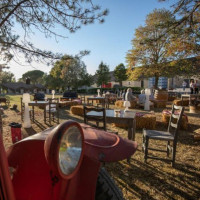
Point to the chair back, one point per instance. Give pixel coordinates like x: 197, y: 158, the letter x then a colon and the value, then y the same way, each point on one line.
x: 100, y: 117
x: 53, y: 104
x: 82, y: 98
x: 175, y: 120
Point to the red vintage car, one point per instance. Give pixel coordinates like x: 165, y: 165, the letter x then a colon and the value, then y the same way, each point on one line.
x: 62, y: 163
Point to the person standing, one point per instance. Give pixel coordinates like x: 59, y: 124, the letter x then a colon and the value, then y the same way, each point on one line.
x: 184, y: 85
x: 191, y: 86
x: 196, y: 87
x: 129, y: 96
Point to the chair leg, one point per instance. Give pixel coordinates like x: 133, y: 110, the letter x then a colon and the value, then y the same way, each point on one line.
x: 173, y: 154
x: 143, y: 143
x: 53, y: 117
x: 49, y: 117
x: 168, y: 146
x: 58, y: 118
x: 146, y: 149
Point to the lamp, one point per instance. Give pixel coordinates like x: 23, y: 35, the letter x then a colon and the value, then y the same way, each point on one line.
x: 98, y: 91
x: 147, y: 103
x: 53, y: 92
x: 26, y: 100
x: 126, y: 105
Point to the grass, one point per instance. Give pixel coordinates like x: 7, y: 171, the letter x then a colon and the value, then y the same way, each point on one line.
x: 155, y: 180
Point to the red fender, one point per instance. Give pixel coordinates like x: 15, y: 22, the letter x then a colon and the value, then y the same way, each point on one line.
x: 106, y: 147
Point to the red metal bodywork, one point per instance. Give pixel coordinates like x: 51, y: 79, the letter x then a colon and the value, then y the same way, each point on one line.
x: 34, y: 178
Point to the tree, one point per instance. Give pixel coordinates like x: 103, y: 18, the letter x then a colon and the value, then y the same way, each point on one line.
x: 43, y: 16
x: 189, y: 12
x: 157, y: 50
x: 34, y: 75
x: 102, y: 74
x: 120, y: 73
x: 50, y: 82
x: 85, y: 79
x: 69, y: 72
x: 7, y: 77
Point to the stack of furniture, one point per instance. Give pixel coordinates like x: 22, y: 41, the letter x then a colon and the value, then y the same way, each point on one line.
x: 160, y: 98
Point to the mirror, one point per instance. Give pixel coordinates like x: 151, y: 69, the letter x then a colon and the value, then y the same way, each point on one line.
x: 70, y: 150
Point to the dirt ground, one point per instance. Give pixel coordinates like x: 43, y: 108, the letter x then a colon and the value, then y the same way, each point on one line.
x: 137, y: 180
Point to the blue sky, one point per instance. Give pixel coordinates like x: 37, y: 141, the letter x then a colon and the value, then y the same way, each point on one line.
x: 108, y: 42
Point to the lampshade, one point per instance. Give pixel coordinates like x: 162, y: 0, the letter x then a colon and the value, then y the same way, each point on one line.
x: 53, y: 92
x: 98, y: 90
x: 26, y: 98
x: 147, y: 91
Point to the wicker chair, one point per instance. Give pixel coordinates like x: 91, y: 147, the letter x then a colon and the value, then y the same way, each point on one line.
x: 171, y: 135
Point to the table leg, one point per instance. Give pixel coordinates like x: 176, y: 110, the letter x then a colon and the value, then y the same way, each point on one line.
x: 131, y: 130
x: 182, y: 101
x: 33, y: 117
x: 131, y: 133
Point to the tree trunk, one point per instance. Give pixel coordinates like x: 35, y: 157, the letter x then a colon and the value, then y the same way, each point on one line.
x: 156, y: 82
x: 120, y: 83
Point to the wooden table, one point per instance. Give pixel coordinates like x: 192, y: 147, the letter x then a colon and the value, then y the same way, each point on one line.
x: 127, y: 118
x: 38, y: 103
x: 189, y: 96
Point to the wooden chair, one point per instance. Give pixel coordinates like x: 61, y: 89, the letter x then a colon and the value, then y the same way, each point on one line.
x: 52, y: 110
x: 105, y: 104
x: 22, y: 111
x: 171, y: 135
x: 97, y: 119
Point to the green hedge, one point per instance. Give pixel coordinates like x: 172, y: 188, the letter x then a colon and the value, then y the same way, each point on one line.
x: 136, y: 90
